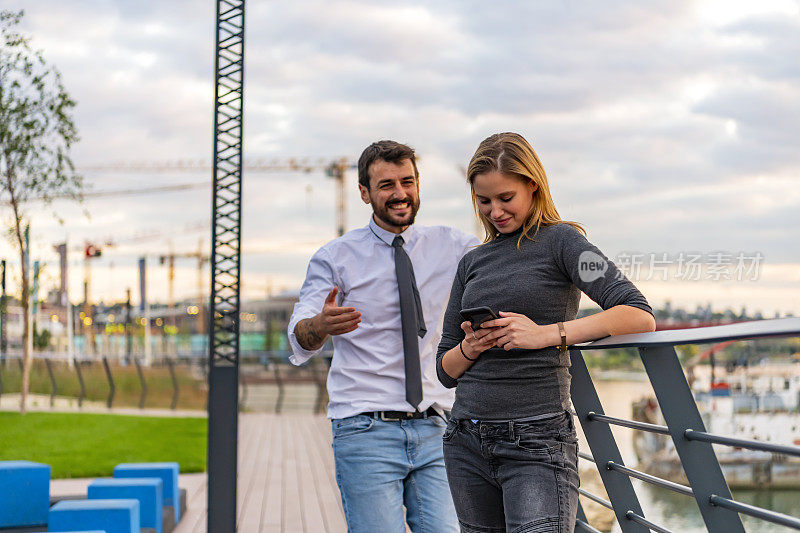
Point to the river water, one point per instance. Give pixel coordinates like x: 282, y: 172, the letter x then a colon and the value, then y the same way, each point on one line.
x: 674, y: 511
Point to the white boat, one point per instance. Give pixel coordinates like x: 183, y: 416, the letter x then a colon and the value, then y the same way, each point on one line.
x: 757, y: 403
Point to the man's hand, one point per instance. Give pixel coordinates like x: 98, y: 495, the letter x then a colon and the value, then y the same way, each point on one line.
x: 311, y: 333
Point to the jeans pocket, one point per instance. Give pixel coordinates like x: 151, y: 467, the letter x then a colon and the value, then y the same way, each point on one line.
x: 450, y: 430
x: 437, y: 421
x: 537, y: 444
x: 352, y: 425
x: 560, y: 428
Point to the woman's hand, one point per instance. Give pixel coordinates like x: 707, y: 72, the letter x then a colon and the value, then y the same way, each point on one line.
x: 460, y: 357
x: 475, y: 342
x: 514, y: 330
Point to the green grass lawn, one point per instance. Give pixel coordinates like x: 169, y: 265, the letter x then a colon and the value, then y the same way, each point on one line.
x: 90, y: 445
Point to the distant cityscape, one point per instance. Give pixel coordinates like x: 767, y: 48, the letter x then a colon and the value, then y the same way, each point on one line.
x: 705, y: 314
x: 180, y: 328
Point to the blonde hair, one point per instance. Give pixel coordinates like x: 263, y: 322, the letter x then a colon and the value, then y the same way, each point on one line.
x: 510, y: 154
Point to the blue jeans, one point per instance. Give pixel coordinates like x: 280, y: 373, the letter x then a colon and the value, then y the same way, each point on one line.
x: 515, y: 477
x: 382, y: 466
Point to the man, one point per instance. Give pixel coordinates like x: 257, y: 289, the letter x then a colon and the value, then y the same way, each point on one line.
x: 380, y: 292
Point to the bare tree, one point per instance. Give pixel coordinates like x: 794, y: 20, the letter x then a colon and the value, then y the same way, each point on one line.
x: 36, y: 133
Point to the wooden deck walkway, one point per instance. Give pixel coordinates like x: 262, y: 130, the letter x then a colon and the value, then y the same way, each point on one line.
x: 286, y: 480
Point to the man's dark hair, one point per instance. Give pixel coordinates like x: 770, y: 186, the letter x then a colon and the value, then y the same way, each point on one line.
x: 389, y: 151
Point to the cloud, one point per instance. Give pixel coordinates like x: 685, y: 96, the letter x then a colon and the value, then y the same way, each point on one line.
x: 662, y: 126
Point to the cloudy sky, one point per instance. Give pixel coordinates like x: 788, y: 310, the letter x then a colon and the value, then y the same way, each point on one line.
x: 665, y: 127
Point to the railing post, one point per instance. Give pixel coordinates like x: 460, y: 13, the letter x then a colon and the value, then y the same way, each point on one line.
x: 53, y: 385
x: 582, y: 513
x: 111, y: 388
x: 602, y: 444
x: 582, y: 523
x: 143, y: 396
x: 80, y: 382
x: 698, y: 458
x: 279, y: 380
x: 175, y: 391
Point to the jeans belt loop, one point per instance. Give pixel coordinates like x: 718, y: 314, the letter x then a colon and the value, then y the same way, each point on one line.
x: 511, y: 430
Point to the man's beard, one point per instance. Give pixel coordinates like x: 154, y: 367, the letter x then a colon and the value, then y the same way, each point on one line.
x: 386, y: 216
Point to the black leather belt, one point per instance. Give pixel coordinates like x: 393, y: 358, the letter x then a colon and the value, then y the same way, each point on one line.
x: 401, y: 415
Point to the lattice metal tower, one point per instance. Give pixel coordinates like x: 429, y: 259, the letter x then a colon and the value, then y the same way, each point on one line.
x: 223, y: 393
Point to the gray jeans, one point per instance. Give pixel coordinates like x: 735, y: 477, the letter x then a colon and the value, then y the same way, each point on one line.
x: 515, y: 477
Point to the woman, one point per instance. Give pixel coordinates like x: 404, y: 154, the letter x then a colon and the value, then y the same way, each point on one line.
x: 510, y: 447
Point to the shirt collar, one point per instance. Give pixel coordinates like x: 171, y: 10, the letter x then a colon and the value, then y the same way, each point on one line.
x: 388, y: 236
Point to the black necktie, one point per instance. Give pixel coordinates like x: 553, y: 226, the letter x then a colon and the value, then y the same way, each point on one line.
x: 412, y: 320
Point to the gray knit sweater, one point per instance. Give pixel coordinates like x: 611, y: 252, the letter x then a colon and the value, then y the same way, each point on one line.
x: 542, y: 280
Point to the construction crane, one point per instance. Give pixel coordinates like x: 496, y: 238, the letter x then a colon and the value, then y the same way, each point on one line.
x: 334, y: 169
x: 94, y: 249
x: 169, y: 259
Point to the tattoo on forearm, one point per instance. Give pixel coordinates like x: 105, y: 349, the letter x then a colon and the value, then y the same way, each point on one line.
x: 308, y: 335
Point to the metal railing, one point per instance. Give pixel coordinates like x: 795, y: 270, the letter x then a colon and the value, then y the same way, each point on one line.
x: 267, y: 368
x: 693, y: 444
x: 273, y: 369
x: 77, y: 367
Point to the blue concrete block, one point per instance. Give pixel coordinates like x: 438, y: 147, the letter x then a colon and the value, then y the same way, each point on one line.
x: 167, y: 472
x: 24, y: 493
x: 147, y: 490
x: 111, y: 516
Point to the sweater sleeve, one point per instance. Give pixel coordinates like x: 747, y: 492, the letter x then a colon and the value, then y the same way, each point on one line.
x: 452, y: 333
x: 593, y: 273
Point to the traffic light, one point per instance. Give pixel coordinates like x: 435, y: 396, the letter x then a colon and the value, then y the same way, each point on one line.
x: 92, y: 251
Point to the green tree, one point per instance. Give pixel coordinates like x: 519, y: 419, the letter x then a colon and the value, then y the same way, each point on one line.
x: 36, y: 133
x: 41, y: 339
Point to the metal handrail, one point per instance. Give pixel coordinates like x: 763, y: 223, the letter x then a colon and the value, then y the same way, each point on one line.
x: 777, y: 327
x: 586, y: 456
x: 653, y: 480
x: 684, y: 425
x: 595, y: 498
x: 643, y: 426
x: 704, y: 436
x: 755, y: 512
x: 645, y: 522
x: 586, y: 526
x: 692, y: 434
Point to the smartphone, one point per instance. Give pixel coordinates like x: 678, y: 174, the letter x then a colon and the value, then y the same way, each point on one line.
x: 478, y: 315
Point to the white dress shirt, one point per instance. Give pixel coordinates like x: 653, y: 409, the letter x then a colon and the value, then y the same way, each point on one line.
x: 367, y: 371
